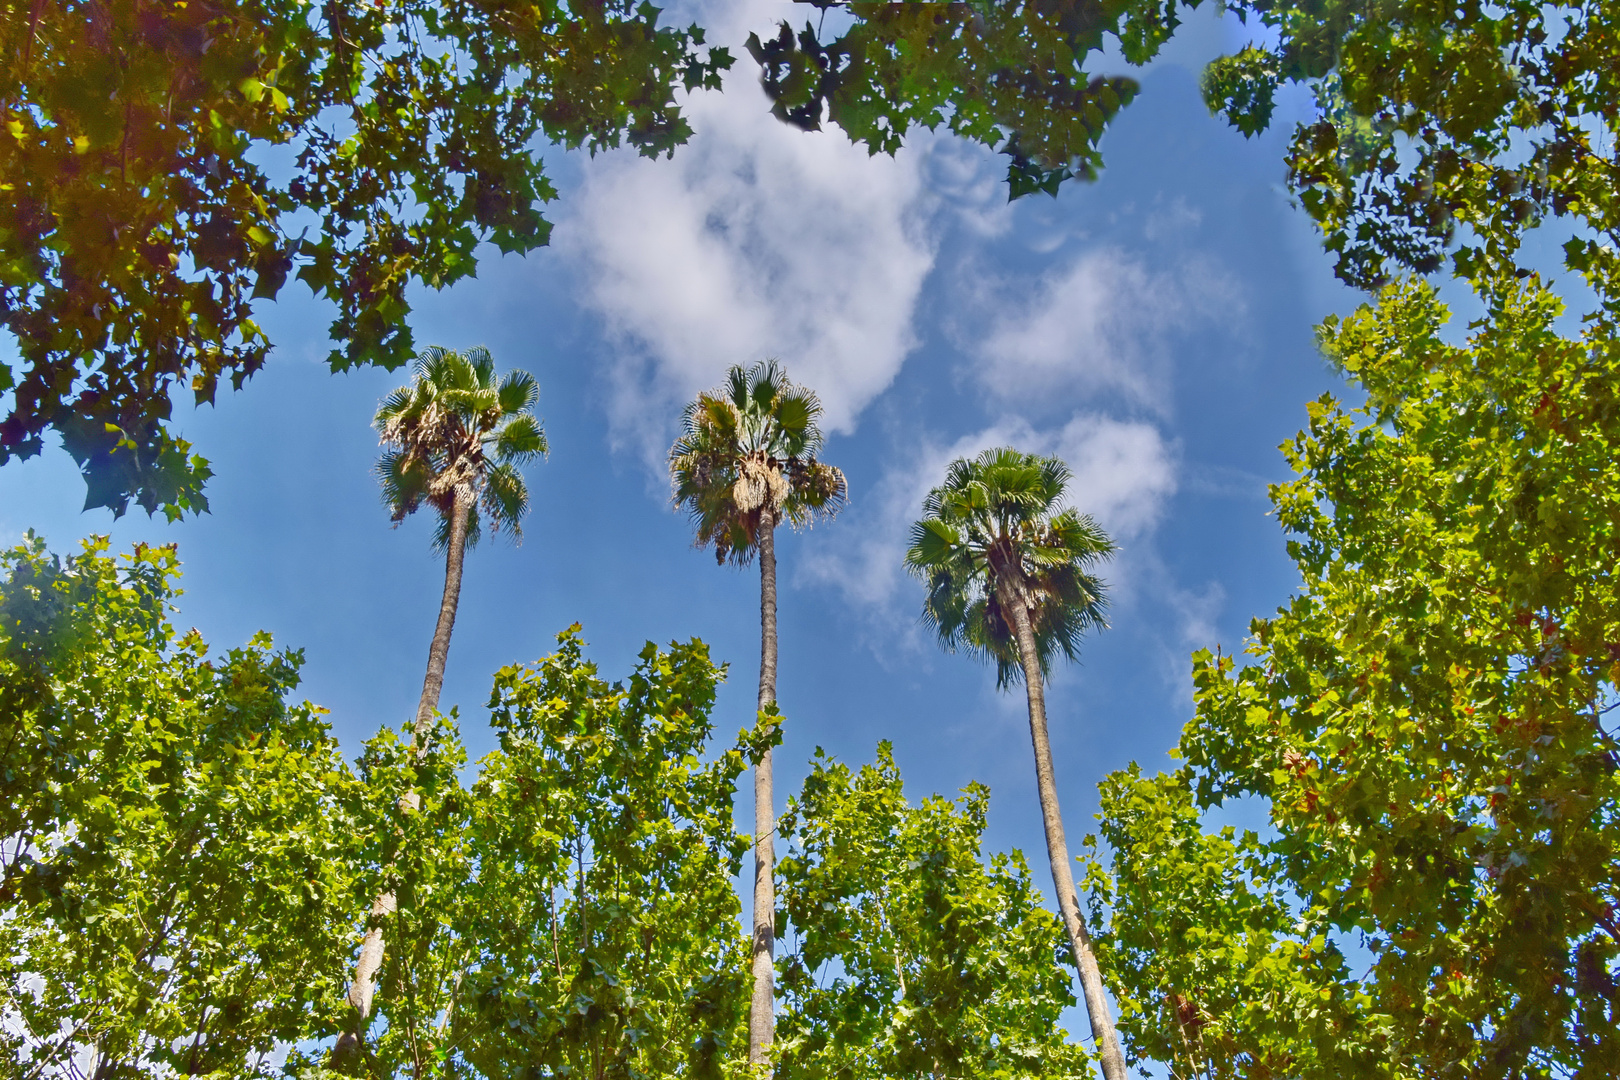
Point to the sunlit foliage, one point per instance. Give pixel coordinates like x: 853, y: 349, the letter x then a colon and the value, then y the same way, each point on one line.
x: 165, y: 165
x: 1427, y: 723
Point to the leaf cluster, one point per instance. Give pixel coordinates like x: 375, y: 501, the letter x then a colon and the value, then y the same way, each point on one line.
x: 140, y: 219
x: 1010, y: 75
x: 1439, y: 127
x: 1426, y: 720
x: 913, y: 956
x: 1216, y: 972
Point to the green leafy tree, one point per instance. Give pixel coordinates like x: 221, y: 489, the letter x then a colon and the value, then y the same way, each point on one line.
x: 176, y: 831
x: 913, y: 957
x: 571, y: 912
x: 455, y: 440
x: 1440, y: 127
x: 140, y: 221
x: 744, y: 464
x: 609, y: 930
x: 1426, y: 722
x: 1217, y: 976
x: 1437, y: 128
x: 1012, y: 76
x: 1008, y: 578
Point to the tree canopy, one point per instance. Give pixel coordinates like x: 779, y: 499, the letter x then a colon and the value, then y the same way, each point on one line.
x: 1440, y: 129
x: 186, y: 854
x: 165, y: 166
x: 1012, y: 76
x: 996, y: 528
x: 1437, y: 129
x: 569, y: 910
x: 747, y: 450
x: 455, y: 440
x: 1426, y: 723
x: 176, y: 860
x: 913, y: 956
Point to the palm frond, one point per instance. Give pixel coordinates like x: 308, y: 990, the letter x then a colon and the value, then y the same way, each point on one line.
x: 518, y: 393
x: 998, y: 516
x: 458, y: 427
x: 737, y: 388
x: 430, y: 367
x: 519, y: 440
x: 766, y: 381
x: 404, y: 483
x: 934, y: 542
x: 480, y: 364
x: 746, y: 450
x: 505, y: 500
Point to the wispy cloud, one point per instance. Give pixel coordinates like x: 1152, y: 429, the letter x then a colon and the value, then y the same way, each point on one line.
x: 756, y: 239
x: 1102, y: 324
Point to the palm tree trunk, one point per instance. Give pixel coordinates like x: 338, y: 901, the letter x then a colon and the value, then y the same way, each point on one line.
x: 1103, y: 1036
x: 762, y: 1010
x: 364, y: 987
x: 439, y: 651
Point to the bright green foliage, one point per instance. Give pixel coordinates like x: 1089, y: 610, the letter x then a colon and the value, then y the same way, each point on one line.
x: 1433, y: 116
x: 913, y: 957
x: 612, y: 939
x: 139, y: 219
x: 458, y: 430
x: 423, y: 857
x: 174, y: 837
x: 748, y: 448
x: 1427, y: 720
x: 1219, y: 978
x: 572, y: 913
x: 1012, y: 76
x: 999, y: 516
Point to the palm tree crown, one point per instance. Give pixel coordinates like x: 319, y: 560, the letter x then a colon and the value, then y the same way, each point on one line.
x: 993, y: 534
x: 459, y: 434
x: 747, y: 448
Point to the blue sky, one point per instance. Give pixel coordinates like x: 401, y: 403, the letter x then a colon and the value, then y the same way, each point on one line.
x: 1155, y: 328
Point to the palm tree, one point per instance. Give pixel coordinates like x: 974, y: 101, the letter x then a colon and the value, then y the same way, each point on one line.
x: 1007, y: 576
x: 455, y: 439
x: 744, y: 464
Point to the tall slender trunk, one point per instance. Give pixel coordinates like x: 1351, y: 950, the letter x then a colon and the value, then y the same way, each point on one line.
x: 762, y: 1011
x: 439, y: 650
x: 1103, y: 1036
x: 364, y: 987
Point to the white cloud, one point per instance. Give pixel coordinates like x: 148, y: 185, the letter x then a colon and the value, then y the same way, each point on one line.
x: 1198, y: 611
x: 1123, y: 474
x: 756, y: 239
x: 971, y: 180
x: 1101, y: 324
x: 1173, y: 221
x: 1123, y: 471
